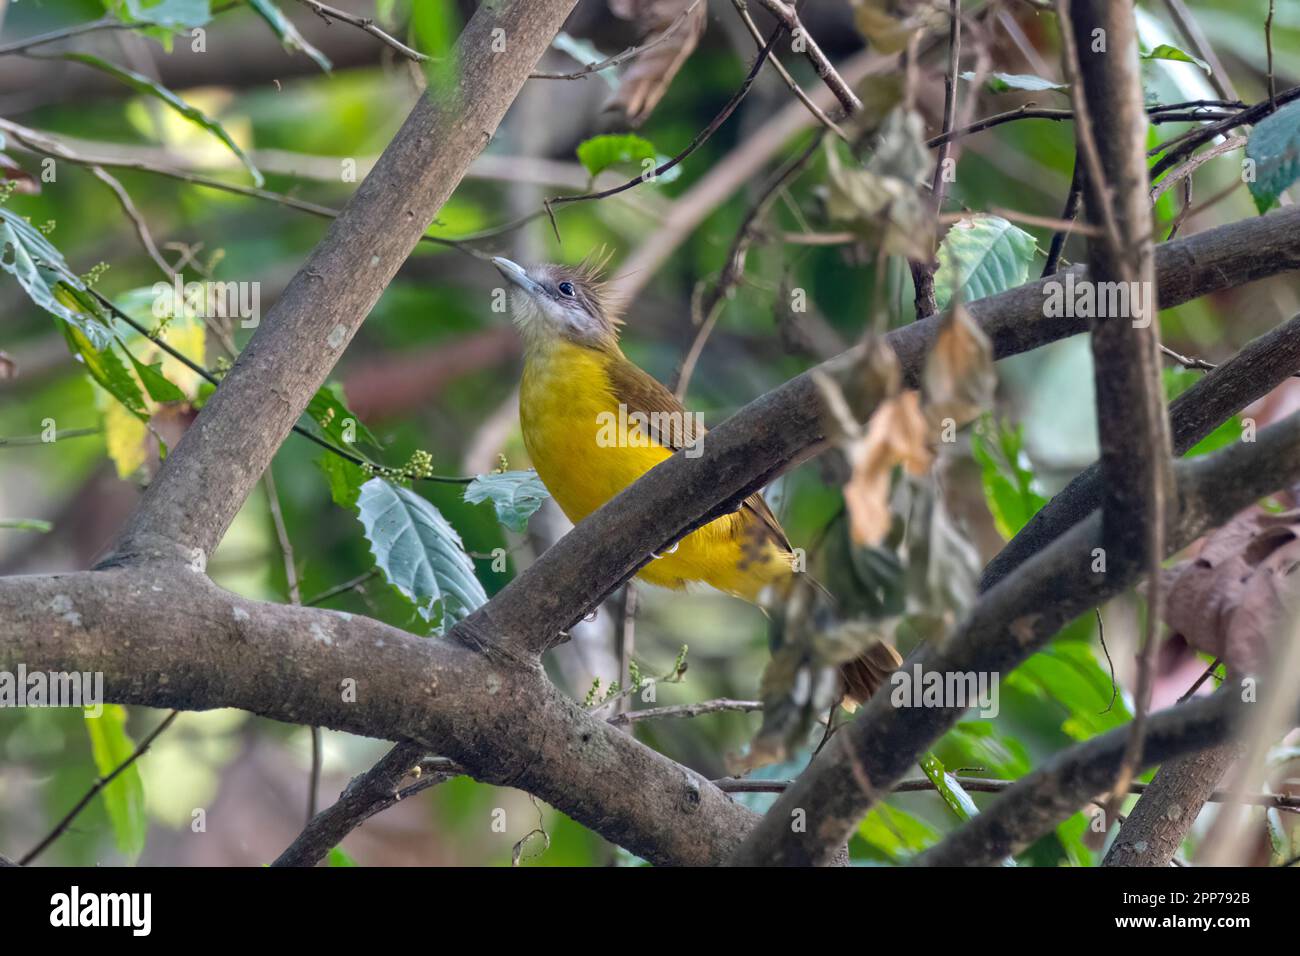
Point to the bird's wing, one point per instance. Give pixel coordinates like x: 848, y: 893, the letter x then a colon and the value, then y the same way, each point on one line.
x: 640, y: 392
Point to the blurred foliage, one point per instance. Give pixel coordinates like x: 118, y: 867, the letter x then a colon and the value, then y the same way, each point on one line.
x: 240, y: 781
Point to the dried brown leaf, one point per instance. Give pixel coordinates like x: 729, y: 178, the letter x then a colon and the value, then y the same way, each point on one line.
x: 897, y: 434
x: 959, y: 379
x: 647, y: 77
x: 1233, y: 598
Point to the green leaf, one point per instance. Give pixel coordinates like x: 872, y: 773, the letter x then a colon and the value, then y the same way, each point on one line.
x: 515, y: 496
x: 108, y: 371
x: 622, y: 149
x: 981, y: 256
x: 1274, y: 147
x: 1068, y: 675
x: 155, y: 382
x: 896, y: 834
x: 1166, y: 52
x: 173, y: 14
x: 44, y: 275
x: 142, y: 84
x: 1010, y: 489
x: 336, y: 421
x: 26, y: 524
x: 1006, y: 82
x: 337, y: 857
x: 419, y: 552
x: 952, y: 792
x: 345, y: 479
x: 124, y: 796
x: 288, y: 33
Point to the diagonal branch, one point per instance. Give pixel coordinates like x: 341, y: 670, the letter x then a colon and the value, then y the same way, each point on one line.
x: 866, y: 758
x: 1071, y: 779
x: 305, y: 332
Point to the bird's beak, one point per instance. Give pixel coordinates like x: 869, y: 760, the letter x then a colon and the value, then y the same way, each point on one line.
x: 514, y: 272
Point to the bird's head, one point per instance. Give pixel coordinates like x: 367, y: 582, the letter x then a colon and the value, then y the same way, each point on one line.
x: 552, y: 302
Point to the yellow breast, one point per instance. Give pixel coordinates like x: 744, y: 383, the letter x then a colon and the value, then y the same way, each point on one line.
x: 586, y: 453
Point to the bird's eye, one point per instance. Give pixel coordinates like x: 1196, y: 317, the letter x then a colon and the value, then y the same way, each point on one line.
x: 566, y: 289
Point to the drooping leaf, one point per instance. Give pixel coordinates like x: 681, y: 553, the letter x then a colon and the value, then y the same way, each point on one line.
x: 1274, y: 147
x: 1007, y: 82
x: 108, y: 371
x: 953, y: 794
x: 155, y: 382
x: 288, y: 33
x: 958, y: 381
x: 623, y: 149
x: 142, y: 84
x: 981, y: 256
x: 329, y: 411
x: 1166, y: 52
x: 345, y: 478
x: 44, y: 275
x: 124, y: 796
x: 419, y: 553
x: 515, y: 496
x: 646, y: 79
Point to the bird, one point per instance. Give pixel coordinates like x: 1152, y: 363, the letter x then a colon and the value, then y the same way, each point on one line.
x: 594, y: 422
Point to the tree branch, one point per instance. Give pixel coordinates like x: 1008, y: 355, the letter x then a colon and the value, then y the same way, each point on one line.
x: 1071, y: 779
x: 1005, y: 626
x: 305, y: 332
x: 1249, y: 375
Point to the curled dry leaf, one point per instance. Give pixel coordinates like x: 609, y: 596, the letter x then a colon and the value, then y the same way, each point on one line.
x: 959, y: 379
x: 880, y: 200
x: 897, y: 434
x: 1234, y: 598
x: 24, y: 182
x: 647, y: 77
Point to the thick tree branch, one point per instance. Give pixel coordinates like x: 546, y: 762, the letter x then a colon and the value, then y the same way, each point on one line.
x: 506, y: 725
x: 1155, y: 827
x: 1006, y: 625
x: 1132, y: 422
x: 1249, y: 375
x: 206, y: 478
x: 1071, y: 779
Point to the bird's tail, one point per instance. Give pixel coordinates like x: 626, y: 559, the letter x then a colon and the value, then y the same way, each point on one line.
x: 807, y: 605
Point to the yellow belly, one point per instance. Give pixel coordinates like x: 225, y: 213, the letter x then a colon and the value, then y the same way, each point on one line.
x: 564, y: 393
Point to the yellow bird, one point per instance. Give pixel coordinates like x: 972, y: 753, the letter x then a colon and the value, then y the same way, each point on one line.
x: 593, y: 423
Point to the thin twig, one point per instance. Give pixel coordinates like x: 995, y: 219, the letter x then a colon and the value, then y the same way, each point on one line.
x: 696, y: 143
x: 338, y: 589
x: 795, y: 88
x: 620, y: 58
x: 1268, y: 42
x: 40, y: 439
x: 213, y: 380
x: 1068, y: 214
x: 100, y: 783
x: 789, y: 18
x: 328, y: 13
x: 990, y: 785
x: 137, y: 220
x: 64, y: 33
x: 687, y: 710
